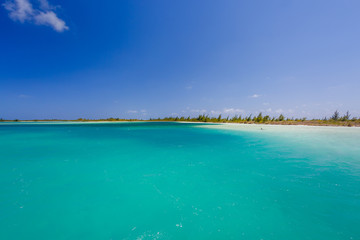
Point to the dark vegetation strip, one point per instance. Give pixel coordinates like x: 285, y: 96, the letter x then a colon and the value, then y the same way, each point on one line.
x: 335, y: 120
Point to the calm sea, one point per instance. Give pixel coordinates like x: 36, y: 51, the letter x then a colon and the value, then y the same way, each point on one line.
x: 178, y: 181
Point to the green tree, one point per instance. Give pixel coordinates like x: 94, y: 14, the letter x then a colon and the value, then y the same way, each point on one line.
x: 234, y: 118
x: 259, y: 118
x: 346, y: 117
x: 335, y: 116
x: 248, y: 119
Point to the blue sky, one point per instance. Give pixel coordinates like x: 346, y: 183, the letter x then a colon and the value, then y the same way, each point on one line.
x: 141, y: 59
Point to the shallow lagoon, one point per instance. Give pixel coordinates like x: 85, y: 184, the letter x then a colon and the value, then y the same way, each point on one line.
x: 178, y: 181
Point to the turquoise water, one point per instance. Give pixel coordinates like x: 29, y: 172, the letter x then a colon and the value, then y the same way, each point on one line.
x: 178, y: 181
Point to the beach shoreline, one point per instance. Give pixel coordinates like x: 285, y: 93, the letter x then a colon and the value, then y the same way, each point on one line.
x: 309, y: 123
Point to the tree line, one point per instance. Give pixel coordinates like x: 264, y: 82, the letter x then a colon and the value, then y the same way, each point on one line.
x: 335, y: 119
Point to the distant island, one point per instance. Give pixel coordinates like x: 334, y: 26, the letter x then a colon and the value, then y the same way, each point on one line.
x: 335, y: 120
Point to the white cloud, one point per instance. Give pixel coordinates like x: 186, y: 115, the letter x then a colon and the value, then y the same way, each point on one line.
x: 255, y: 96
x: 50, y: 19
x: 22, y: 11
x: 233, y: 110
x: 44, y: 4
x: 227, y: 111
x: 215, y: 112
x: 279, y: 110
x: 198, y: 110
x: 132, y: 111
x: 19, y: 10
x: 142, y: 111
